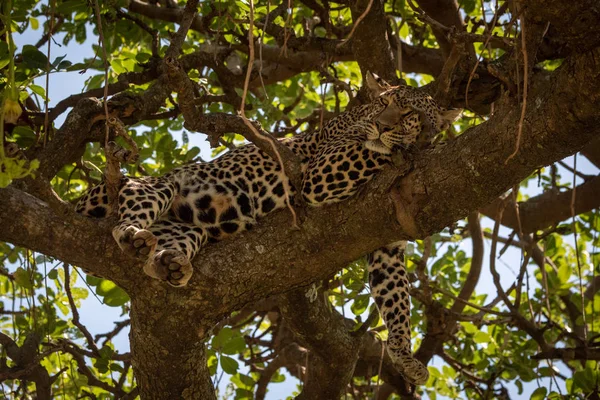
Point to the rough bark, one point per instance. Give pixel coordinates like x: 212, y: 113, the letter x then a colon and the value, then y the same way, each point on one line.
x: 168, y: 347
x: 371, y: 46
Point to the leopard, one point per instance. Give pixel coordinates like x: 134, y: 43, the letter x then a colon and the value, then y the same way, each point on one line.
x: 164, y: 221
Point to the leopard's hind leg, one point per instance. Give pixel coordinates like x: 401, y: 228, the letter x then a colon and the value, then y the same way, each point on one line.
x: 390, y: 290
x: 177, y: 244
x: 141, y: 202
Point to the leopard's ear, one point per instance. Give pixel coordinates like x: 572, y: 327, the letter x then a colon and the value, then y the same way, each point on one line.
x: 376, y: 85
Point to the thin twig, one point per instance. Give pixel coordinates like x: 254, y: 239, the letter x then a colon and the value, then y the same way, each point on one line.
x: 88, y: 336
x: 105, y: 60
x: 525, y: 84
x: 119, y: 326
x: 260, y: 51
x: 485, y: 309
x: 476, y: 262
x: 250, y: 125
x: 573, y: 197
x: 495, y: 275
x: 112, y: 173
x: 152, y: 32
x: 365, y: 325
x: 358, y: 21
x: 48, y: 35
x: 379, y: 370
x: 75, y: 352
x: 50, y: 31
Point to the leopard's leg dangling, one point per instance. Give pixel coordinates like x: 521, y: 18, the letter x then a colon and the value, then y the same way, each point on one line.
x: 141, y: 202
x: 390, y: 290
x: 177, y: 244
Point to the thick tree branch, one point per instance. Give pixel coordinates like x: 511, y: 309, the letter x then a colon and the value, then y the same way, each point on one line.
x: 446, y: 12
x: 575, y: 23
x: 592, y: 152
x: 568, y: 354
x: 198, y: 23
x: 370, y: 44
x: 549, y: 208
x: 333, y: 351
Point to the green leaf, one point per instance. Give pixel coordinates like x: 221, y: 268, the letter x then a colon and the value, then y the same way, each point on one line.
x: 192, y: 153
x: 34, y: 58
x: 564, y: 272
x: 229, y: 364
x: 221, y: 338
x: 93, y: 280
x: 101, y: 365
x: 469, y: 327
x: 235, y: 345
x: 24, y: 136
x: 4, y: 53
x: 34, y: 23
x: 278, y: 377
x: 243, y: 381
x: 585, y: 380
x: 539, y: 394
x: 23, y: 279
x: 63, y: 65
x: 38, y: 90
x: 211, y: 361
x: 107, y: 351
x: 360, y: 304
x: 243, y: 394
x: 105, y: 287
x: 116, y: 367
x: 70, y: 6
x: 53, y: 274
x: 481, y: 337
x: 113, y: 295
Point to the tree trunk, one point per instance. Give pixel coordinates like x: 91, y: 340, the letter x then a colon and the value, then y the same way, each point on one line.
x: 167, y: 346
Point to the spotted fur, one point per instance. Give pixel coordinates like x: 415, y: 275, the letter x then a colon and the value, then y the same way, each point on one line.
x: 166, y: 220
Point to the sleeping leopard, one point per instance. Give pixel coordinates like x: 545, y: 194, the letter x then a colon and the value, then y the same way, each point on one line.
x: 165, y: 220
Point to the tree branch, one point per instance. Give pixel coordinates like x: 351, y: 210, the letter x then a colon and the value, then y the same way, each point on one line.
x: 333, y: 351
x: 549, y: 208
x: 568, y: 354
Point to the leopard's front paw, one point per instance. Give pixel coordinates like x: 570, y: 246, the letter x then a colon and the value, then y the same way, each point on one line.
x: 137, y: 243
x: 170, y: 265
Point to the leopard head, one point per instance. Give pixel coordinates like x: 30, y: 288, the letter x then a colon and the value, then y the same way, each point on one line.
x: 405, y: 115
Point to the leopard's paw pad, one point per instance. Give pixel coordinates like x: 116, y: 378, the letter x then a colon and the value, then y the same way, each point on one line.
x: 171, y: 266
x: 137, y: 243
